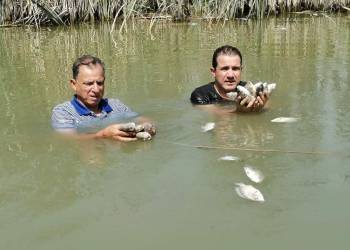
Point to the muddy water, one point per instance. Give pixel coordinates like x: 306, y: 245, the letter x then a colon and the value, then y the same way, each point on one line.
x: 168, y: 194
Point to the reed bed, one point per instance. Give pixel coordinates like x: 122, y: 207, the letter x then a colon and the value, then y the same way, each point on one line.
x: 67, y: 12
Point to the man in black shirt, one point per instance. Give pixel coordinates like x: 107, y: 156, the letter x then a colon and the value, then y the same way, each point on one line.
x: 226, y: 70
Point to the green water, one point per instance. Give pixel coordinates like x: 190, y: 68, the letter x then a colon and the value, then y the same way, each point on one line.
x: 165, y: 194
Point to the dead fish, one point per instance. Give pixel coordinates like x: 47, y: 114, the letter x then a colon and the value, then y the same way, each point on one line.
x: 243, y: 91
x: 232, y: 95
x: 247, y: 97
x: 150, y: 128
x: 208, y: 126
x: 139, y: 128
x: 285, y: 119
x: 229, y: 158
x: 249, y: 192
x: 270, y: 87
x: 144, y: 136
x: 253, y: 174
x: 250, y: 87
x: 264, y: 87
x: 128, y: 127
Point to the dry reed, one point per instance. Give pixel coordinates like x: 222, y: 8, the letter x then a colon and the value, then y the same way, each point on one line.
x: 62, y: 12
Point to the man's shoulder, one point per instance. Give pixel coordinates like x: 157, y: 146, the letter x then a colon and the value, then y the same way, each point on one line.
x: 64, y: 116
x: 65, y: 106
x: 204, y: 94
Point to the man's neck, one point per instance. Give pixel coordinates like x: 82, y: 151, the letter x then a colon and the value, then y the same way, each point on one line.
x: 220, y: 91
x: 95, y: 109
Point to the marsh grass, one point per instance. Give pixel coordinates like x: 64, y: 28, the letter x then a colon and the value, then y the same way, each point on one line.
x: 65, y: 12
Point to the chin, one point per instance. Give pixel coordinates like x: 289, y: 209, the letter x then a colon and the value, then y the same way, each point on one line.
x: 93, y: 103
x: 230, y: 88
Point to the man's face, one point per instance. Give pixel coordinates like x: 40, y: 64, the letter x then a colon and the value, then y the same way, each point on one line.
x: 89, y: 85
x: 227, y: 73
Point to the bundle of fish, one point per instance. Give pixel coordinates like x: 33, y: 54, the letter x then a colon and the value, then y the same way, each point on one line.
x: 250, y: 91
x: 143, y: 131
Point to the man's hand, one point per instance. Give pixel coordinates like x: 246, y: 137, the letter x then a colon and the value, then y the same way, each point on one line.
x: 254, y: 105
x: 114, y: 132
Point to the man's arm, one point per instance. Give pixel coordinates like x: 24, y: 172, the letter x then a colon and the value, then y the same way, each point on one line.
x: 64, y: 123
x: 112, y: 132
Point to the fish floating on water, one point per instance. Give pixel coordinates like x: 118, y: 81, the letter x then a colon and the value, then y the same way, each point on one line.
x: 249, y: 192
x: 143, y: 131
x: 208, y: 126
x: 285, y: 119
x: 229, y: 158
x: 253, y: 174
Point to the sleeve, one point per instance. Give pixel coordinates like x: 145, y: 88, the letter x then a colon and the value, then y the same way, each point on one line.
x: 198, y: 99
x: 62, y: 119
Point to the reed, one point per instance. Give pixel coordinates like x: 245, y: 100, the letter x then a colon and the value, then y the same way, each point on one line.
x: 65, y: 12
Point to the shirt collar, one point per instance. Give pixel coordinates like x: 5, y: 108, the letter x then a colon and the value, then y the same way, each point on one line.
x: 83, y: 110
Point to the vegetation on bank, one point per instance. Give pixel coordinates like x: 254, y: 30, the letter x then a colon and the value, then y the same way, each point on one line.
x: 66, y: 12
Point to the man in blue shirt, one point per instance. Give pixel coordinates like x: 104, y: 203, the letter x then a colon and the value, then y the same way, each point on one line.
x: 88, y: 108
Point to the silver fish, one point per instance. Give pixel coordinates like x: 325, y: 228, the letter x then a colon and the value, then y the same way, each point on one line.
x: 249, y: 192
x: 229, y: 158
x: 128, y: 127
x: 285, y: 119
x: 150, y: 128
x: 208, y: 126
x: 270, y: 87
x: 253, y: 174
x: 144, y: 136
x: 232, y: 95
x: 264, y: 87
x: 139, y: 128
x: 243, y: 91
x: 247, y: 97
x: 250, y: 87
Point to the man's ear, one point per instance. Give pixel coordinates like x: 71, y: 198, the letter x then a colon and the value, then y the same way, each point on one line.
x: 212, y: 70
x: 73, y: 84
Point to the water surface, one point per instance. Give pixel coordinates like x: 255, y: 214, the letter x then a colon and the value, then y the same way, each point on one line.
x: 167, y: 193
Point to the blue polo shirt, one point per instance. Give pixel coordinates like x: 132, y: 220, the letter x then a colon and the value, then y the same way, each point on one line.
x: 75, y: 115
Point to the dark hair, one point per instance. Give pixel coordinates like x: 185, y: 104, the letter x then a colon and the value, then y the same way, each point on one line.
x: 225, y: 50
x: 86, y: 60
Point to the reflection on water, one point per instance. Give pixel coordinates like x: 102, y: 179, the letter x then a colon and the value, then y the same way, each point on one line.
x: 54, y: 191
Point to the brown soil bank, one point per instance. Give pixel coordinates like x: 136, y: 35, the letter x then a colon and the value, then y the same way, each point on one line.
x: 65, y: 12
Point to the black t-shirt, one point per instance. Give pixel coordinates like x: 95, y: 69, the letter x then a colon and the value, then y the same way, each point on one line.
x: 207, y: 94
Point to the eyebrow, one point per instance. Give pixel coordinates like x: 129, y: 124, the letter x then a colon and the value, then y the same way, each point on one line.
x: 234, y: 67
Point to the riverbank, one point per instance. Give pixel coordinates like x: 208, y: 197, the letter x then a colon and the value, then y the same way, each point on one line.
x: 66, y: 12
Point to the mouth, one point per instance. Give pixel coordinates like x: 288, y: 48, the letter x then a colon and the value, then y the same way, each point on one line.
x: 94, y: 98
x: 231, y: 83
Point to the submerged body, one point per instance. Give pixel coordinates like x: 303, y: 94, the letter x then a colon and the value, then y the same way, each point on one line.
x: 89, y: 112
x: 226, y: 70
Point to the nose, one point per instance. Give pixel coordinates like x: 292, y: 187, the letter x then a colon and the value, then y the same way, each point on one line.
x: 231, y: 73
x: 95, y: 87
